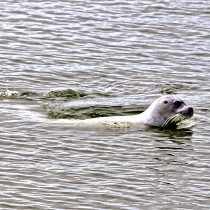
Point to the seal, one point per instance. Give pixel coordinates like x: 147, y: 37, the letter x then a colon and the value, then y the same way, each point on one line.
x: 166, y: 111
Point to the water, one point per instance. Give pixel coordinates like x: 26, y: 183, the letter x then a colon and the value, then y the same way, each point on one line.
x: 82, y: 59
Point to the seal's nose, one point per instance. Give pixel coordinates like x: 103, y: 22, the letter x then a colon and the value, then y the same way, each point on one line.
x: 190, y: 111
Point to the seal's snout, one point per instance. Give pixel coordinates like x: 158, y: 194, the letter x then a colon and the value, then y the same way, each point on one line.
x: 188, y: 111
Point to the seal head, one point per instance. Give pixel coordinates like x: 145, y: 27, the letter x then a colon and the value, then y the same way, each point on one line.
x: 167, y: 111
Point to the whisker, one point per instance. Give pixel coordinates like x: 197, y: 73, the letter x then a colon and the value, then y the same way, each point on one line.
x: 175, y: 119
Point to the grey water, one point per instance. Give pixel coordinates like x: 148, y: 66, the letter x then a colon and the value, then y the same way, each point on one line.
x: 87, y: 58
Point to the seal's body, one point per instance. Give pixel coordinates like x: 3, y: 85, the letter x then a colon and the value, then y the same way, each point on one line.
x: 166, y: 111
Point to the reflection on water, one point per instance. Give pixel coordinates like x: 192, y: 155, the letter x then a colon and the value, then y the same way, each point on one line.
x: 81, y: 59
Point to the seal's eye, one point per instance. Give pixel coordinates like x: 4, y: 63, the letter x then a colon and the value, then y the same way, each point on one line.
x: 177, y: 104
x: 165, y: 102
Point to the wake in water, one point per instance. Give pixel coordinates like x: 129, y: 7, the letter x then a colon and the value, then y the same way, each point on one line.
x: 9, y: 93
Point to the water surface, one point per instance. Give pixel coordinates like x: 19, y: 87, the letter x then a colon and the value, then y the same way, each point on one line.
x: 83, y: 59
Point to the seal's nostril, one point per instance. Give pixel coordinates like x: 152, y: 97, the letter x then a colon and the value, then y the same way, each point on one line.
x: 190, y: 109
